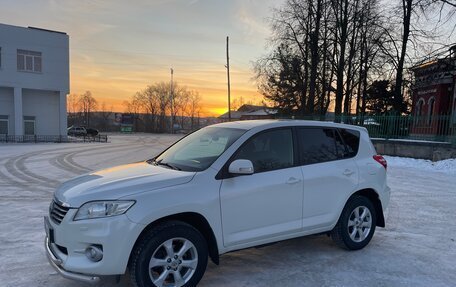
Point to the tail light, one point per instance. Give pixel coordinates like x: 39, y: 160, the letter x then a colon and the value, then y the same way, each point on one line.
x: 381, y: 160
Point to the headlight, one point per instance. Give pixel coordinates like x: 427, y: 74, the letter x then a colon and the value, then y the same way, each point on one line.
x: 98, y: 209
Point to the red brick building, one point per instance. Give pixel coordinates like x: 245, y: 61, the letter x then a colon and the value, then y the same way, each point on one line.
x: 434, y: 96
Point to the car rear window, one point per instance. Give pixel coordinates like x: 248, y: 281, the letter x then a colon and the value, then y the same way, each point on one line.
x: 351, y: 139
x: 317, y: 145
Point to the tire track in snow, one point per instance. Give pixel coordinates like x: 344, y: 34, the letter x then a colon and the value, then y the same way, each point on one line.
x: 20, y: 174
x: 16, y: 173
x: 22, y: 185
x: 62, y: 162
x: 20, y: 165
x: 66, y: 161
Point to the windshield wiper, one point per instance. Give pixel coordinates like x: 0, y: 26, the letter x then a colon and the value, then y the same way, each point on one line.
x: 169, y: 165
x: 160, y: 162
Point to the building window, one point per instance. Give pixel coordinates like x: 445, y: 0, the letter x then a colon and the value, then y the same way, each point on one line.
x: 29, y: 125
x: 29, y: 61
x: 419, y: 107
x: 419, y: 111
x: 431, y: 104
x: 3, y: 125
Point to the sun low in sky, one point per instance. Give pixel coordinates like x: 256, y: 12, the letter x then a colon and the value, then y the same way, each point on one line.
x: 119, y: 47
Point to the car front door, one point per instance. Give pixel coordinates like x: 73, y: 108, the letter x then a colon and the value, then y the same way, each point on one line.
x: 330, y: 175
x: 268, y: 202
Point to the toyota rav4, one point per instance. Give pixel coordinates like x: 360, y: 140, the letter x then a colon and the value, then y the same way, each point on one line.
x: 222, y: 188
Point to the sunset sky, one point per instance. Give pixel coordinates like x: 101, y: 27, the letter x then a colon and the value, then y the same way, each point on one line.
x: 119, y: 47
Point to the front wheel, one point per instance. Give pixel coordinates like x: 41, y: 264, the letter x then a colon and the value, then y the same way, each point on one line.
x: 356, y: 224
x: 173, y: 254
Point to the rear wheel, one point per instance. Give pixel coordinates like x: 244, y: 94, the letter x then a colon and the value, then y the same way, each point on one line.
x: 173, y: 254
x: 356, y: 225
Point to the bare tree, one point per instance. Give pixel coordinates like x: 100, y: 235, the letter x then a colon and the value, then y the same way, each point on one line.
x: 106, y: 114
x: 154, y: 103
x: 88, y: 104
x: 73, y: 109
x: 237, y: 103
x: 181, y: 101
x: 194, y: 108
x: 317, y: 51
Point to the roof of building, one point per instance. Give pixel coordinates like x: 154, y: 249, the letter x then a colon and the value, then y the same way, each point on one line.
x: 46, y: 30
x: 437, y: 60
x: 34, y: 28
x: 249, y: 110
x: 234, y: 115
x: 264, y: 112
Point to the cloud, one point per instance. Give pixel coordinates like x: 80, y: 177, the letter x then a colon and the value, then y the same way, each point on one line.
x: 253, y: 26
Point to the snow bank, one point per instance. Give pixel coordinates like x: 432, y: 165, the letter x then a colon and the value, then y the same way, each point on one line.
x: 447, y: 166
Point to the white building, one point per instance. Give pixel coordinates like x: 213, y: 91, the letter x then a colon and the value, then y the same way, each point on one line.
x: 34, y: 81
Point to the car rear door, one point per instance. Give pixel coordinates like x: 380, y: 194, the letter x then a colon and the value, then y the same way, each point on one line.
x: 267, y: 203
x: 330, y: 175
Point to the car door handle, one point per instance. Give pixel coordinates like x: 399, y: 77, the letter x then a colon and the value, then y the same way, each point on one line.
x: 348, y: 172
x: 293, y: 180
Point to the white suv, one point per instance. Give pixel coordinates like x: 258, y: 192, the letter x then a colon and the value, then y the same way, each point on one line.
x: 225, y: 187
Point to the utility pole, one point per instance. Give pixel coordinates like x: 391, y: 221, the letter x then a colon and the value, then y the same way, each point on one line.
x: 172, y: 102
x: 228, y: 75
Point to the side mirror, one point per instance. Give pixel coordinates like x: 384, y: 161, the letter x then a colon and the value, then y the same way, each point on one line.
x: 241, y: 166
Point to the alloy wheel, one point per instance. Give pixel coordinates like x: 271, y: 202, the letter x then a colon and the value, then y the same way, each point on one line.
x: 173, y: 263
x: 359, y: 223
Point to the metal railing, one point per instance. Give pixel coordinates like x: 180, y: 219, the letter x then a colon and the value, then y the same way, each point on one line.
x: 51, y: 139
x: 438, y: 128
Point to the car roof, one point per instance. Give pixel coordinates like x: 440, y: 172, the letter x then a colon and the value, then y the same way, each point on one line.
x: 250, y: 124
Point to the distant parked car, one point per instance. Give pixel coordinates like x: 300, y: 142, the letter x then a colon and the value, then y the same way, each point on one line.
x: 77, y: 131
x: 91, y: 131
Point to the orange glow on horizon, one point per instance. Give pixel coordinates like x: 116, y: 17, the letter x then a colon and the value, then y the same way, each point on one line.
x: 212, y: 105
x: 113, y: 89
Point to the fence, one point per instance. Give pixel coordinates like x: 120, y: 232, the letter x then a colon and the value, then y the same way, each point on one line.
x: 438, y: 128
x: 50, y: 138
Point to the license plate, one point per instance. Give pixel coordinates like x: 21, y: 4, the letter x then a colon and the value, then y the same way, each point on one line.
x: 49, y: 230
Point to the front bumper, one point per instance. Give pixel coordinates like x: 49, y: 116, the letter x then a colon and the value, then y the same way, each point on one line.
x: 57, y: 265
x: 66, y: 245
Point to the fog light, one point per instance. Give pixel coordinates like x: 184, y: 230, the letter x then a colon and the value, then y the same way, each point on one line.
x: 94, y: 253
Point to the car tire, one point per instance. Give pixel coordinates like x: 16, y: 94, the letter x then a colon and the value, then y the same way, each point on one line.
x: 171, y: 254
x: 356, y: 224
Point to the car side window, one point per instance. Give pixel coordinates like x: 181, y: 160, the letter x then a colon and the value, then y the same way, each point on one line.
x: 341, y: 150
x: 269, y: 150
x: 351, y: 139
x: 319, y: 145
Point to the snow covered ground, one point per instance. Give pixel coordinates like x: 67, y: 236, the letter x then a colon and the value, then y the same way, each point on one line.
x: 446, y: 166
x: 417, y: 248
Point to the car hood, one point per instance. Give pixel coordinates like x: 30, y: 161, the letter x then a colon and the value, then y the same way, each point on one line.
x: 116, y: 182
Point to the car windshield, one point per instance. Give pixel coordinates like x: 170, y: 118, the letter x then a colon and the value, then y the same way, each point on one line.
x: 199, y: 150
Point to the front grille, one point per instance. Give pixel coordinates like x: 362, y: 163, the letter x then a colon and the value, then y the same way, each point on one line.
x: 57, y: 212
